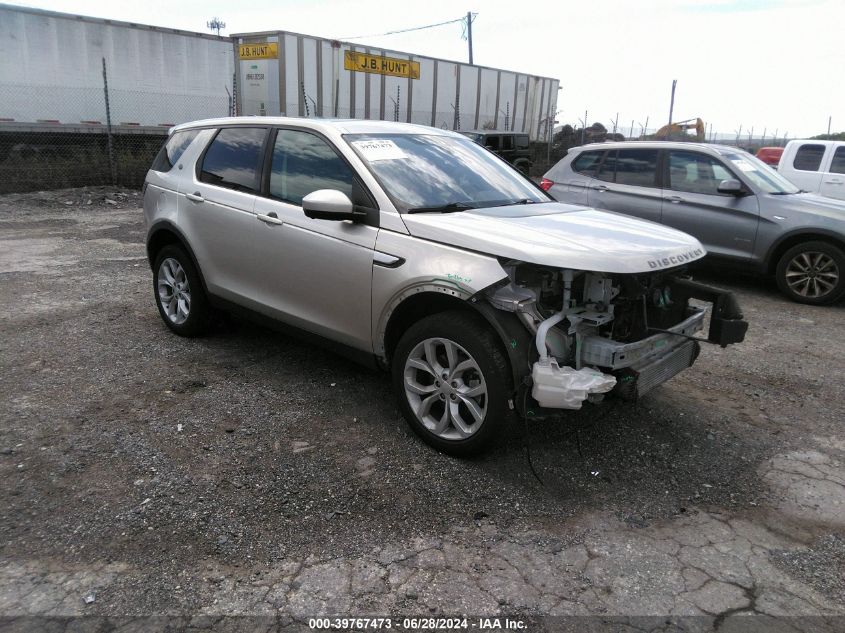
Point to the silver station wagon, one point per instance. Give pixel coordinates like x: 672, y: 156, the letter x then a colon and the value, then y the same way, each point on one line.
x: 418, y: 251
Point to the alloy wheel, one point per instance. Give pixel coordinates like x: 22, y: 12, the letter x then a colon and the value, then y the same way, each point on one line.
x: 174, y: 293
x: 445, y: 388
x: 812, y: 274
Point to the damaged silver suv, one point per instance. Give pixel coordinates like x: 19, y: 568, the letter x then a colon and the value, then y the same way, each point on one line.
x: 416, y: 250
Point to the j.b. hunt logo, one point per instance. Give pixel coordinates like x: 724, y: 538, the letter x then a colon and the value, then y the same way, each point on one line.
x: 675, y: 260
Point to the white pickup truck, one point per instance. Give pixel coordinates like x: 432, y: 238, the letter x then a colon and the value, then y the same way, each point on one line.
x: 815, y: 166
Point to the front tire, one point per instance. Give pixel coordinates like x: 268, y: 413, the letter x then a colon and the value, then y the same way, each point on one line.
x: 178, y: 292
x: 813, y: 273
x: 452, y: 380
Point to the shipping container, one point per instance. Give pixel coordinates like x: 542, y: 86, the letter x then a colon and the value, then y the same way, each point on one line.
x: 290, y: 74
x: 51, y: 71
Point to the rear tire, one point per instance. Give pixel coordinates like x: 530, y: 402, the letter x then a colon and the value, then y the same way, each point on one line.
x: 452, y: 380
x: 178, y: 292
x: 812, y: 273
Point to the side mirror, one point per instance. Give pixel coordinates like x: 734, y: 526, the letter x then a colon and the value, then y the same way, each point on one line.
x: 731, y: 186
x: 329, y: 204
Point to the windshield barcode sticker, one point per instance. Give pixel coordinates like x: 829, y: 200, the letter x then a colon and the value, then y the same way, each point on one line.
x: 384, y: 149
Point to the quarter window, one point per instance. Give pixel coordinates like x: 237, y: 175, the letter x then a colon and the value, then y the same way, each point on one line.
x: 808, y: 157
x: 304, y: 163
x: 522, y: 141
x: 587, y: 163
x: 173, y: 150
x: 233, y: 159
x: 696, y: 173
x: 837, y: 165
x: 637, y: 167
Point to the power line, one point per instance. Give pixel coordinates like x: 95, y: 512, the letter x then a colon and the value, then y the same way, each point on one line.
x: 416, y: 28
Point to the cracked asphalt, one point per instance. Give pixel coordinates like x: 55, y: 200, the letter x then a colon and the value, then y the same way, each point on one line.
x: 248, y: 473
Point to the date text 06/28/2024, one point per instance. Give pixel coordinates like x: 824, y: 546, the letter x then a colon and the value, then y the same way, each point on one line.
x: 419, y: 624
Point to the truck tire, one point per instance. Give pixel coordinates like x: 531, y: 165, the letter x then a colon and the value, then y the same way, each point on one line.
x: 812, y: 272
x: 452, y: 380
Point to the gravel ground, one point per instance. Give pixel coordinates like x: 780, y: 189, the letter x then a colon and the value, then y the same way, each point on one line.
x: 249, y: 473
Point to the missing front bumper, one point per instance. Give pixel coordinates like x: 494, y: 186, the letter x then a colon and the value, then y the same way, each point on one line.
x: 636, y: 381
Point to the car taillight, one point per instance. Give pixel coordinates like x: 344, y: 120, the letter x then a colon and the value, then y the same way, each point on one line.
x: 546, y: 184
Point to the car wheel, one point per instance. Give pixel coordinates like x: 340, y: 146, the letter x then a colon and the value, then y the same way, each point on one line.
x: 452, y: 380
x: 812, y: 272
x: 178, y: 292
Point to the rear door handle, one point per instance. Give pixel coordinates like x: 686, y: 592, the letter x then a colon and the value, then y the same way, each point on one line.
x: 270, y: 218
x: 601, y: 188
x: 195, y: 197
x: 675, y: 199
x: 833, y: 182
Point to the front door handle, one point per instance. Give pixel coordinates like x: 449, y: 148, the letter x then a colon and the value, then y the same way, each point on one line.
x: 195, y: 197
x: 833, y: 182
x: 600, y: 188
x: 270, y: 218
x: 675, y: 199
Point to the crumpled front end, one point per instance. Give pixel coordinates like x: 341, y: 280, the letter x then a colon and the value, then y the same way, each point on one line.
x: 595, y: 334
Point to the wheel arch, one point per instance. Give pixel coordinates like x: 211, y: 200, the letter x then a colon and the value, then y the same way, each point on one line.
x: 164, y: 233
x: 793, y: 239
x: 513, y: 337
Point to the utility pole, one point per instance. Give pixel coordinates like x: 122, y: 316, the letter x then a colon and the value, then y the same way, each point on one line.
x: 671, y: 108
x: 215, y: 24
x: 469, y: 35
x: 584, y: 127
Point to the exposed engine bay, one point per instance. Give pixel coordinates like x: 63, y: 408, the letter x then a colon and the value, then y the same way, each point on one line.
x: 598, y: 333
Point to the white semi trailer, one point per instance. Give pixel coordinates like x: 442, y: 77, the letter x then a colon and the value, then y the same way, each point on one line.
x: 51, y: 71
x: 51, y: 76
x: 283, y: 73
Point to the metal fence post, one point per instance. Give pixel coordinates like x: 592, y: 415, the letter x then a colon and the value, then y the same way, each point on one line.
x: 112, y: 167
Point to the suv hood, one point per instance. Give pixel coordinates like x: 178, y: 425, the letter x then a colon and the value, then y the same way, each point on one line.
x: 807, y: 205
x: 561, y: 236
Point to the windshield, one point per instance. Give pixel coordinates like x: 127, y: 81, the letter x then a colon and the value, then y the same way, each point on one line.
x: 441, y: 173
x: 760, y: 173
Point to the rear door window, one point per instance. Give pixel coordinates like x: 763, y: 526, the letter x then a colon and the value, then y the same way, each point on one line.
x: 808, y: 157
x: 233, y: 160
x: 607, y: 172
x: 637, y: 167
x: 587, y: 163
x: 304, y: 163
x: 522, y: 141
x: 837, y: 165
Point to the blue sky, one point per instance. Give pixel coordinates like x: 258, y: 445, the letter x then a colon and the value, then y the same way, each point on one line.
x: 773, y: 64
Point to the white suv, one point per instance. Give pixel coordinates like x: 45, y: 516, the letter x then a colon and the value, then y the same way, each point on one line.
x: 417, y: 250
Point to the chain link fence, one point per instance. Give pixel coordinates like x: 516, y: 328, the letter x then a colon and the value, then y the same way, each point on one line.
x: 61, y: 136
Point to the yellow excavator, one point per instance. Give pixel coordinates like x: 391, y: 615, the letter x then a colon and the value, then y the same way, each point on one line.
x: 679, y: 131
